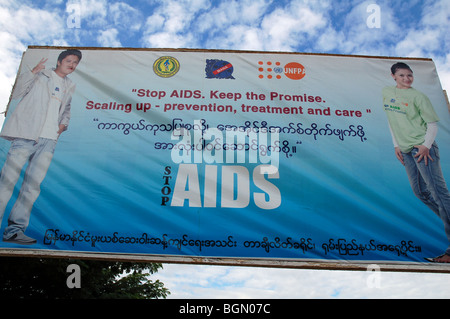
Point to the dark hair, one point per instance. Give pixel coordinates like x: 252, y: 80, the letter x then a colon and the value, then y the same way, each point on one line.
x: 75, y: 52
x: 399, y: 65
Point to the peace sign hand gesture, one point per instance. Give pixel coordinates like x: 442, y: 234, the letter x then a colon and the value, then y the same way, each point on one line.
x: 40, y: 66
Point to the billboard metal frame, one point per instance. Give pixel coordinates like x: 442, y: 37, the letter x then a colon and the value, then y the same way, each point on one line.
x: 318, y: 264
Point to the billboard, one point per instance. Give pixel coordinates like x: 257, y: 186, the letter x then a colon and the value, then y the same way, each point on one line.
x: 219, y: 154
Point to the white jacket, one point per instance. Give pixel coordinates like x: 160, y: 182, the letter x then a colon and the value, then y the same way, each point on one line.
x: 28, y: 118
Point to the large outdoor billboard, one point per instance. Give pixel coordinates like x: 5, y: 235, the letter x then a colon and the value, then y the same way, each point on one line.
x: 224, y: 154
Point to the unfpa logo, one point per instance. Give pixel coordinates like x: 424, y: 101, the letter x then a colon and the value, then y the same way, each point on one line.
x: 294, y: 71
x: 270, y: 70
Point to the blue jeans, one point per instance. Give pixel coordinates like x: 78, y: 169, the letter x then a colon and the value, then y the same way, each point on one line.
x: 428, y: 184
x: 38, y: 155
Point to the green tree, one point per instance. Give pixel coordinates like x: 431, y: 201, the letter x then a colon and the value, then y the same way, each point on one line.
x: 49, y: 278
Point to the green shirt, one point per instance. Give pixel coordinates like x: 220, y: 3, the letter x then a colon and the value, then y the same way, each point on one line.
x: 408, y: 112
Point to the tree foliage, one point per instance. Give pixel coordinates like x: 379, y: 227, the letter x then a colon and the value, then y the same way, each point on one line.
x: 47, y: 278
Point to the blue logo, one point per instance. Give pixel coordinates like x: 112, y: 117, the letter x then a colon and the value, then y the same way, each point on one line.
x: 219, y: 69
x: 278, y: 69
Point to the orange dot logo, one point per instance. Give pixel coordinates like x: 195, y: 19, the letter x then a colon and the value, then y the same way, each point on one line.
x: 294, y: 71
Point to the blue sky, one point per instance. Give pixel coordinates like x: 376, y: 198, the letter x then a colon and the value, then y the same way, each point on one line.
x: 406, y: 28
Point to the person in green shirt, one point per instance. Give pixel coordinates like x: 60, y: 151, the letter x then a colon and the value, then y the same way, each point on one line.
x: 413, y: 125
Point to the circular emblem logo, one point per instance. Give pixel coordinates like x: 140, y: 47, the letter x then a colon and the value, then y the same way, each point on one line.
x: 166, y: 66
x: 294, y: 71
x: 278, y: 69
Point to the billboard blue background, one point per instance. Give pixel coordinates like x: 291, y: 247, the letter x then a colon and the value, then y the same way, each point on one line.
x: 344, y: 195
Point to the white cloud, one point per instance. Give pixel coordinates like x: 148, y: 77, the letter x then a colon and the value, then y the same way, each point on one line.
x: 255, y: 25
x: 419, y: 43
x: 233, y: 24
x: 167, y: 40
x: 10, y: 53
x: 356, y: 36
x: 232, y: 13
x: 93, y: 12
x: 238, y: 37
x: 331, y: 39
x: 108, y: 38
x: 31, y: 25
x: 125, y: 17
x: 223, y: 282
x: 430, y: 37
x: 171, y: 22
x: 437, y: 14
x: 22, y: 25
x: 443, y: 69
x: 286, y: 28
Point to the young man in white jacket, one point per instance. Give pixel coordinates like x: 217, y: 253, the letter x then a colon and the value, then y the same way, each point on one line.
x: 33, y: 128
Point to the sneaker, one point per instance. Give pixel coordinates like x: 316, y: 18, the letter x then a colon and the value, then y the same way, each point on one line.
x: 20, y: 238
